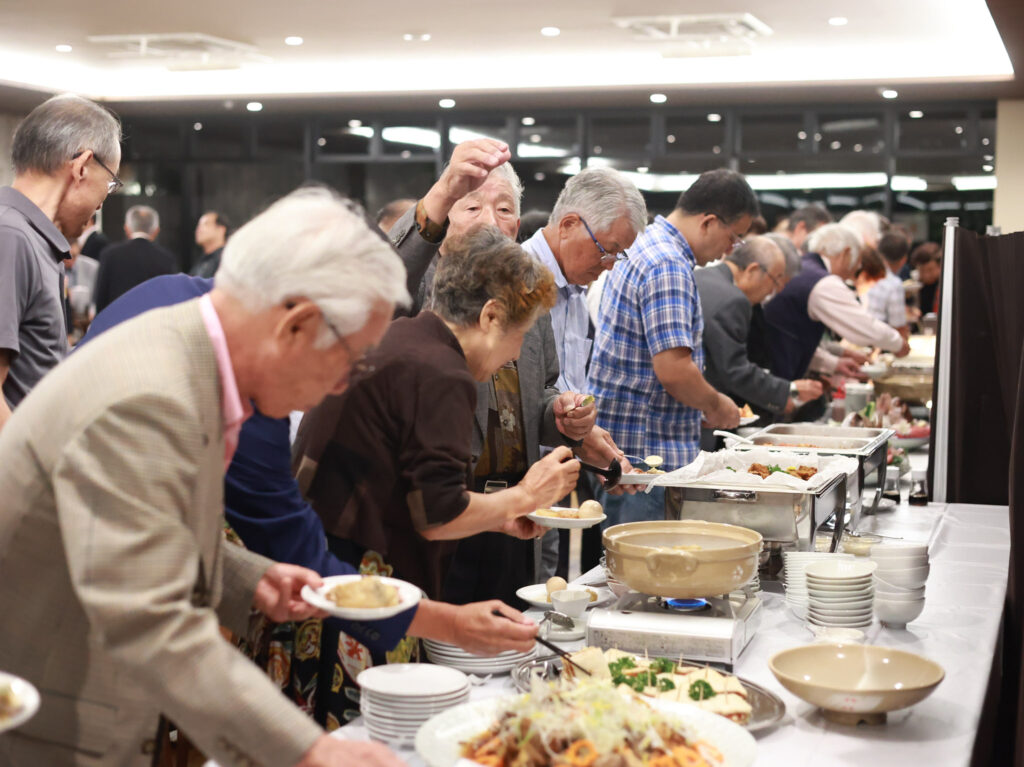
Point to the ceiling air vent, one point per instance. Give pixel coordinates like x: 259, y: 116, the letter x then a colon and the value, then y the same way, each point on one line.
x: 710, y: 34
x: 182, y: 51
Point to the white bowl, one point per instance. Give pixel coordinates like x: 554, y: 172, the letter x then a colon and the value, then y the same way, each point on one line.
x: 841, y: 622
x: 904, y: 595
x: 839, y: 569
x: 896, y: 549
x: 572, y: 602
x: 909, y: 579
x: 915, y: 570
x: 843, y: 615
x: 890, y: 563
x: 897, y: 614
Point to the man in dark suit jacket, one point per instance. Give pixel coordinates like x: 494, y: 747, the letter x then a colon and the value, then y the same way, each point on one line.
x: 93, y: 240
x: 728, y: 290
x: 130, y: 263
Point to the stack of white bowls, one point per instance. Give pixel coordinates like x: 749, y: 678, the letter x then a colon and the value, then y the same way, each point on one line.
x: 397, y: 698
x: 899, y: 581
x: 840, y: 593
x: 444, y: 654
x: 795, y: 578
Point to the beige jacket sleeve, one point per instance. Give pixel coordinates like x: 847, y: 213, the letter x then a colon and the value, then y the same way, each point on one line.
x: 242, y: 571
x: 835, y: 305
x: 133, y: 539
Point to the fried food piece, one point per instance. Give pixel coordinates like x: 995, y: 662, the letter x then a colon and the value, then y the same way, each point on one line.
x: 760, y: 470
x: 804, y: 472
x: 369, y: 591
x: 746, y: 411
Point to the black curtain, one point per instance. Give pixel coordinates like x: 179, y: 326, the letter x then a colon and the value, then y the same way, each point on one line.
x: 986, y: 443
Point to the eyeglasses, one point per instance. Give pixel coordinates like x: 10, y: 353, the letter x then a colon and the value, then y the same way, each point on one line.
x: 358, y: 365
x: 735, y: 240
x: 605, y: 255
x: 115, y: 183
x: 775, y: 282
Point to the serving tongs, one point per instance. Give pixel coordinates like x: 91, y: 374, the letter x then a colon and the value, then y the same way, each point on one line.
x: 611, y: 475
x: 562, y: 620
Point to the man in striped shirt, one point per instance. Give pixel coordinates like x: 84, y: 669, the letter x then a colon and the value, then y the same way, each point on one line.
x: 648, y: 362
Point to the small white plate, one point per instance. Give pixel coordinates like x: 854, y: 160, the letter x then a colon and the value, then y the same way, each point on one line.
x: 536, y: 595
x: 412, y: 679
x: 747, y: 420
x: 27, y: 696
x: 561, y: 523
x: 408, y: 596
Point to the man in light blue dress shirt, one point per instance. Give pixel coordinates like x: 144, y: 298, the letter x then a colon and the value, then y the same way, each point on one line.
x: 596, y: 218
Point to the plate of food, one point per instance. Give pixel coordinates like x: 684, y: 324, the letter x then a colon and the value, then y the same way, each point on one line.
x: 589, y: 513
x: 644, y: 476
x: 19, y: 701
x: 539, y: 594
x: 747, y: 415
x: 363, y: 597
x: 739, y: 700
x: 581, y: 724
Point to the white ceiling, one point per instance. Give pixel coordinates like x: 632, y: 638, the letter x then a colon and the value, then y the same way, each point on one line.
x: 356, y: 47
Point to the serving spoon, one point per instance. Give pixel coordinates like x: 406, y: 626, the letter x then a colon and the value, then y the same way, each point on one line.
x: 612, y: 474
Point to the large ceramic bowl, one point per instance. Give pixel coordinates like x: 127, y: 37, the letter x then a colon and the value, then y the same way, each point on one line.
x: 683, y: 558
x: 855, y: 683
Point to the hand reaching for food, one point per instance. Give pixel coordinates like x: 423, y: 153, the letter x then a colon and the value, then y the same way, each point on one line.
x: 552, y: 478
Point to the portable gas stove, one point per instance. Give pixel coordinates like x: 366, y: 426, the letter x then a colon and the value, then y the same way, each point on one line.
x: 713, y: 630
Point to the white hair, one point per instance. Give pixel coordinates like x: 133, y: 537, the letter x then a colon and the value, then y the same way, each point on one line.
x: 831, y: 240
x: 601, y: 196
x: 316, y: 245
x: 866, y: 223
x: 142, y: 219
x: 508, y: 174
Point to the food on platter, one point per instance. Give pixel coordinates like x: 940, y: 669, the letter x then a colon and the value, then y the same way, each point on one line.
x: 746, y: 412
x: 654, y: 461
x: 555, y: 583
x: 711, y: 690
x: 368, y: 591
x: 587, y: 510
x: 586, y: 724
x: 800, y: 472
x: 889, y: 412
x: 10, y: 704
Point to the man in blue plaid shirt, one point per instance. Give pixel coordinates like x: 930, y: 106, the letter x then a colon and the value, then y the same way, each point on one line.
x: 648, y: 362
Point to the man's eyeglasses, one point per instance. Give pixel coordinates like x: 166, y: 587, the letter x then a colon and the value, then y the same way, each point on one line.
x: 115, y: 183
x: 358, y: 365
x: 775, y: 282
x: 605, y: 255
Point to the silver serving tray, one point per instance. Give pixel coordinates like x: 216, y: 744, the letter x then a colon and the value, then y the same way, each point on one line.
x: 767, y: 708
x: 841, y: 440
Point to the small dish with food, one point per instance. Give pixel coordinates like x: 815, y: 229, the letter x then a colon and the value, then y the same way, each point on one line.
x: 589, y: 513
x: 19, y: 701
x: 363, y: 597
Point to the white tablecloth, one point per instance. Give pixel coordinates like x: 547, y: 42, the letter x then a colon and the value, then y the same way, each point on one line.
x: 969, y: 547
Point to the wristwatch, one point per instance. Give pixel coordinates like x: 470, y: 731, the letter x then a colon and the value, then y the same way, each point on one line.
x: 431, y: 231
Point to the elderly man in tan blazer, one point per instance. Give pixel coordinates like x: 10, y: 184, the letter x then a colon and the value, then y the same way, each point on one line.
x: 113, y: 572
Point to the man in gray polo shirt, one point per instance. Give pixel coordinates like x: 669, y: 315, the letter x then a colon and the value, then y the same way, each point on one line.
x: 66, y: 156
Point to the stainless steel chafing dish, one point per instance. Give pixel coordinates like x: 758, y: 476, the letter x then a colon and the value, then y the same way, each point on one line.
x: 868, y: 446
x: 786, y: 518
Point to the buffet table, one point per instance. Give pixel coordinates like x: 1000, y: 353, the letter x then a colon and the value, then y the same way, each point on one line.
x: 969, y: 548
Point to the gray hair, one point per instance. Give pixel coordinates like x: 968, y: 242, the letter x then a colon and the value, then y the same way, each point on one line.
x: 61, y: 127
x: 142, y: 219
x: 758, y: 249
x: 317, y: 245
x: 506, y: 172
x: 601, y: 196
x: 866, y: 223
x: 831, y: 240
x: 789, y: 252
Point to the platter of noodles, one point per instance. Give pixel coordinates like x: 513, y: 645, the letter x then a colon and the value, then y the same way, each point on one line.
x: 583, y: 724
x: 362, y: 597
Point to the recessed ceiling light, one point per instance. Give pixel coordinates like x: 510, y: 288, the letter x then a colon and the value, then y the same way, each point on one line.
x: 985, y: 142
x: 197, y: 126
x: 63, y: 48
x: 858, y: 147
x: 839, y: 21
x: 321, y: 141
x: 535, y: 138
x: 915, y: 114
x: 539, y: 176
x: 550, y: 31
x: 658, y: 98
x: 229, y: 104
x: 889, y: 93
x: 988, y: 158
x: 598, y: 149
x: 958, y: 130
x: 987, y: 168
x: 408, y: 37
x: 714, y: 117
x: 293, y: 40
x: 446, y: 103
x: 355, y: 123
x: 642, y: 169
x: 817, y: 137
x: 254, y: 106
x: 716, y: 149
x: 670, y: 138
x: 406, y: 154
x: 528, y: 121
x: 836, y: 145
x: 802, y: 135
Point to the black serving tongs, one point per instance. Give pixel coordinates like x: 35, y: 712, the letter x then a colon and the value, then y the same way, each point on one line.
x: 611, y: 475
x: 550, y: 645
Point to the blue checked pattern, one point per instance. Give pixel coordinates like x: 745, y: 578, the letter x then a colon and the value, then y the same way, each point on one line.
x: 649, y: 305
x: 885, y: 301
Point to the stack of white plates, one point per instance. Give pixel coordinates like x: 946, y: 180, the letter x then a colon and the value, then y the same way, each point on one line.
x: 794, y: 563
x: 840, y: 593
x: 397, y: 698
x: 444, y: 654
